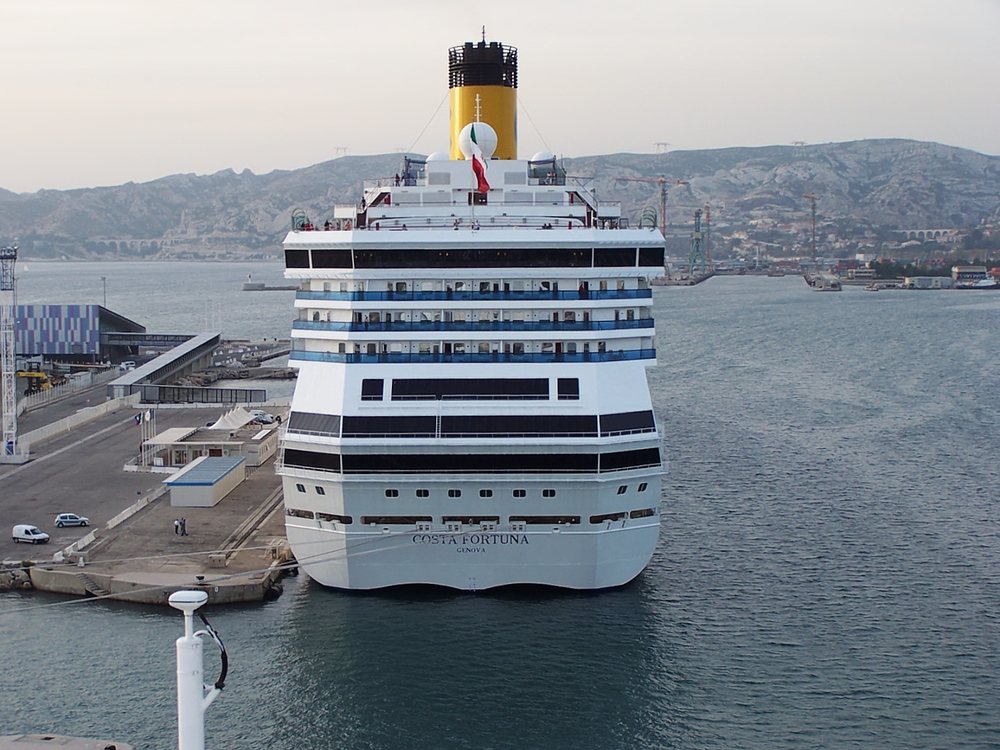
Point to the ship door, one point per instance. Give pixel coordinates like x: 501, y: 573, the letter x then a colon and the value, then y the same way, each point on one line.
x: 447, y: 348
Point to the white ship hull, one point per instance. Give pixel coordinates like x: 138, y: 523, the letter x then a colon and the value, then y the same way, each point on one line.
x: 473, y: 560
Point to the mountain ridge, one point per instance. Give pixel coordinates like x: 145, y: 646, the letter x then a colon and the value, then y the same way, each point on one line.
x: 880, y: 183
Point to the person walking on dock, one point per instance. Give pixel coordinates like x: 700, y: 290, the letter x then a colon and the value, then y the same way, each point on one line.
x: 177, y: 525
x: 184, y: 527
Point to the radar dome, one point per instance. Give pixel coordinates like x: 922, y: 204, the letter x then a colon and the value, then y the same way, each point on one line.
x: 438, y: 156
x: 542, y: 156
x: 486, y: 137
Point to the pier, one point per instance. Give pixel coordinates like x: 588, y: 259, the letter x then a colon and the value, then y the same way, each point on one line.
x: 235, y: 551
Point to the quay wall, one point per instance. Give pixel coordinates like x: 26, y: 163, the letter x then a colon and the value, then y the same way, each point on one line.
x: 73, y: 421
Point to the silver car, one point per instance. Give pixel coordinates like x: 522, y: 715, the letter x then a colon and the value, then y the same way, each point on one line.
x: 71, y: 519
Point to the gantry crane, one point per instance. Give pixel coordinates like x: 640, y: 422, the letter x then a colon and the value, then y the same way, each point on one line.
x: 812, y: 198
x: 662, y: 182
x: 9, y: 452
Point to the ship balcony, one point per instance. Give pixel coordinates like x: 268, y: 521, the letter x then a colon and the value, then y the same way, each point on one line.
x: 618, y: 355
x: 474, y: 296
x: 476, y: 326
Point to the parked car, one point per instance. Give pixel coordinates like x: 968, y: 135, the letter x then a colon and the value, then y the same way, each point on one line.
x: 71, y: 519
x: 262, y: 416
x: 25, y: 532
x: 128, y: 364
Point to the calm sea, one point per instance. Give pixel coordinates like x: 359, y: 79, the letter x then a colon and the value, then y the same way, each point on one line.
x: 828, y: 574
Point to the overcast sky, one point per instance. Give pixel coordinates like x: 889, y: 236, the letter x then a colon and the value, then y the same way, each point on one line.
x: 102, y: 92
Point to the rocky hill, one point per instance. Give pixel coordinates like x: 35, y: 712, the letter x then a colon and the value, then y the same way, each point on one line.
x: 888, y: 184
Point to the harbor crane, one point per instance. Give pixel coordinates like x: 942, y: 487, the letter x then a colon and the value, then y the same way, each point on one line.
x: 662, y: 182
x: 10, y: 451
x: 812, y: 198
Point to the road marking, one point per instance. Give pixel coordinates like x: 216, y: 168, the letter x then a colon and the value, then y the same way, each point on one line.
x: 81, y: 441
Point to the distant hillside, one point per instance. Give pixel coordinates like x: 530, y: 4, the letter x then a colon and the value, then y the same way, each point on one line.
x: 882, y: 183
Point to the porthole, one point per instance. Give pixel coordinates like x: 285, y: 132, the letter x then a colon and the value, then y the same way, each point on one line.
x: 519, y: 493
x: 485, y: 493
x: 548, y: 493
x: 392, y: 493
x: 320, y: 491
x: 642, y: 487
x: 300, y: 487
x: 622, y: 489
x: 423, y: 493
x: 454, y: 493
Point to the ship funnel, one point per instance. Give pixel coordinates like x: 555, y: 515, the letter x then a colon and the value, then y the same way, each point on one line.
x: 482, y: 79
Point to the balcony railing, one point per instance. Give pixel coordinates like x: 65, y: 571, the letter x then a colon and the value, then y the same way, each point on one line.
x: 473, y: 296
x: 480, y: 326
x: 471, y: 357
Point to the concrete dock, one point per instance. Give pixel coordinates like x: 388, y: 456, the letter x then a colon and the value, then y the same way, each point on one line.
x: 235, y: 551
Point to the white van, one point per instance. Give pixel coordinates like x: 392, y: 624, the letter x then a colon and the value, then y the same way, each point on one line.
x: 25, y: 532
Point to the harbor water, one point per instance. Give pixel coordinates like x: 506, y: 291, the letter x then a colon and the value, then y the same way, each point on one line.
x: 828, y: 573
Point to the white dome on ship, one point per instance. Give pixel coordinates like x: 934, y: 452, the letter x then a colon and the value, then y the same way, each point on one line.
x: 542, y: 156
x: 486, y: 137
x: 438, y: 156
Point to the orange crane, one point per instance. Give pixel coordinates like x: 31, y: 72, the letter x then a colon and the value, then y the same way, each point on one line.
x: 662, y: 182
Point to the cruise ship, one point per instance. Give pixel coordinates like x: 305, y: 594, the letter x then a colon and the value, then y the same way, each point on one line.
x: 472, y: 339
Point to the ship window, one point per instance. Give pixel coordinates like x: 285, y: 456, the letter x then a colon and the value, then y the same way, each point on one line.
x: 394, y: 520
x: 320, y: 491
x: 412, y: 389
x: 296, y: 259
x: 454, y: 493
x: 331, y: 258
x: 485, y: 493
x: 606, y: 257
x: 392, y: 493
x: 300, y: 487
x: 371, y: 389
x: 518, y: 493
x: 423, y: 493
x: 642, y: 487
x: 294, y: 512
x: 622, y: 489
x: 608, y: 517
x: 335, y: 518
x: 569, y: 389
x: 644, y: 513
x: 470, y: 520
x: 626, y: 422
x: 548, y: 493
x: 546, y: 520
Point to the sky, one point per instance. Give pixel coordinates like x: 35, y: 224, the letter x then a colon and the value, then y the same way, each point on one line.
x: 103, y: 92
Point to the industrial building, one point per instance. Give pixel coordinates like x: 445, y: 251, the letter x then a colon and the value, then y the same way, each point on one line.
x: 73, y: 333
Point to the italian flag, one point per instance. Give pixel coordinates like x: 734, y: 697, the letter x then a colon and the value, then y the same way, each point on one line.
x: 478, y: 163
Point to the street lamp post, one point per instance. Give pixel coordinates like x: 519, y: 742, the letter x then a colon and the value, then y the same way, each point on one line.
x: 104, y: 282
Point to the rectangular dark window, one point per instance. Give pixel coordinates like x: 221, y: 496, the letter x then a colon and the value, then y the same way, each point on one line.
x: 628, y: 421
x: 650, y: 256
x: 295, y: 513
x: 389, y: 426
x: 371, y: 389
x: 470, y: 520
x: 545, y: 520
x: 606, y: 257
x: 554, y: 425
x: 481, y: 463
x: 569, y: 389
x: 486, y: 389
x: 312, y: 460
x: 636, y: 459
x: 296, y: 259
x: 395, y: 520
x: 331, y: 258
x: 497, y: 258
x: 608, y: 517
x: 643, y: 513
x: 333, y: 517
x: 318, y: 424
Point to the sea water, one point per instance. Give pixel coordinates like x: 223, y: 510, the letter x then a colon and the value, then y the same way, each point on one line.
x: 828, y: 573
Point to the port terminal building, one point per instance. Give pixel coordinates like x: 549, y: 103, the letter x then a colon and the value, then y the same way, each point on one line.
x: 77, y: 334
